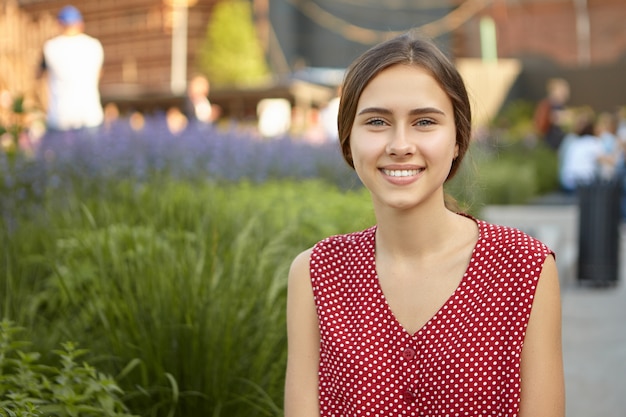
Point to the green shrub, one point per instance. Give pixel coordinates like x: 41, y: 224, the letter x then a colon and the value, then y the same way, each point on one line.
x: 504, y: 174
x: 29, y: 389
x: 508, y: 184
x: 512, y: 154
x: 514, y: 123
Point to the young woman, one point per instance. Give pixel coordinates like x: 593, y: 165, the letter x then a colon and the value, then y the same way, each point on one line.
x: 430, y: 312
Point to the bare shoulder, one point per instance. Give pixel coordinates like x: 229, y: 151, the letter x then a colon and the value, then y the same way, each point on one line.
x: 549, y: 270
x: 299, y: 286
x: 299, y: 270
x: 548, y: 287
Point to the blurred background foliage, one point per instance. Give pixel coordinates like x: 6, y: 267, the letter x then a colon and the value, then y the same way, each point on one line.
x: 231, y: 54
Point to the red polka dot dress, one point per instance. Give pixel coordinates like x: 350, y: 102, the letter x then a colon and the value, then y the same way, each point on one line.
x: 465, y: 361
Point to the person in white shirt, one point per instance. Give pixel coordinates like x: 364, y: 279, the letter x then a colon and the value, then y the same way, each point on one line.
x: 583, y: 158
x: 72, y: 64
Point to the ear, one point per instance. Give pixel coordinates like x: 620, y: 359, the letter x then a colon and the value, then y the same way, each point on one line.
x: 346, y: 151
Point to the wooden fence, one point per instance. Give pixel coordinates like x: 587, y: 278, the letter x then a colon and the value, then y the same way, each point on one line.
x: 21, y: 40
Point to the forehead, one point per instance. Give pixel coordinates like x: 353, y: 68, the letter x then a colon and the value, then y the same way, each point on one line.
x: 403, y: 84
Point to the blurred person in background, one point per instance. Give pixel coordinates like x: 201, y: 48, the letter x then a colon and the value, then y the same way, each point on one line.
x: 620, y: 134
x: 198, y: 108
x: 72, y: 64
x: 621, y: 123
x: 111, y: 115
x: 606, y: 131
x: 550, y: 113
x: 176, y: 120
x: 583, y: 158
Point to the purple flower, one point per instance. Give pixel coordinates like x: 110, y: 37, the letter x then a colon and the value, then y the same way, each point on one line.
x: 67, y: 162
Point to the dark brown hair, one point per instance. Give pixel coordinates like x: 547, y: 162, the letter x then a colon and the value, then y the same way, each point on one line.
x: 413, y: 50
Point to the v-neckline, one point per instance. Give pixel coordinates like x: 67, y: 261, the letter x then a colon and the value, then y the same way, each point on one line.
x: 448, y: 300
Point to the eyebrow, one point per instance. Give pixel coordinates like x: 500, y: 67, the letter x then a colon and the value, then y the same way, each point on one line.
x: 412, y: 112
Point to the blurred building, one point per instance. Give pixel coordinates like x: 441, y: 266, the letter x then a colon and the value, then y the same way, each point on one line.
x: 583, y: 41
x: 506, y: 49
x: 331, y: 33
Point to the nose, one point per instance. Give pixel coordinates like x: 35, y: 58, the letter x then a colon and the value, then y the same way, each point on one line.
x: 399, y: 143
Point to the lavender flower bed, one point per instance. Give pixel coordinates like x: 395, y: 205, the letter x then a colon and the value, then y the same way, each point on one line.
x: 78, y: 161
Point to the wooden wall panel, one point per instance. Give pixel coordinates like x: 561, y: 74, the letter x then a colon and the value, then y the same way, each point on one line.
x: 134, y: 33
x: 20, y: 51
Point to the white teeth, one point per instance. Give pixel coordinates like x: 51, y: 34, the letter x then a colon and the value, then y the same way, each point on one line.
x: 401, y: 172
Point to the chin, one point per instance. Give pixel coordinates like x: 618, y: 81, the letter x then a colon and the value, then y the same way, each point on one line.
x: 402, y: 205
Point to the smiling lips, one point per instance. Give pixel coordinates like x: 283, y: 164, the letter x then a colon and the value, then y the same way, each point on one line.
x: 401, y: 172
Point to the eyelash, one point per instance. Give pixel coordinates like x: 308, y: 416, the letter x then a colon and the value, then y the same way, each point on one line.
x: 375, y: 122
x: 421, y: 122
x: 429, y: 122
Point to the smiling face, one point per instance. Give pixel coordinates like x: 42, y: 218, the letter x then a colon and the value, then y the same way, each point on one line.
x: 403, y: 139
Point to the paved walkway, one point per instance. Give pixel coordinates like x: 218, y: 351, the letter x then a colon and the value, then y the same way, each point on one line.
x: 594, y: 319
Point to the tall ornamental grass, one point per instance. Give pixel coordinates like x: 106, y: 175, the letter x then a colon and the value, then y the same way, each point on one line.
x: 180, y: 284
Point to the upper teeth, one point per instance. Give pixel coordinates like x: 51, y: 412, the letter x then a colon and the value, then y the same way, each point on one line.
x: 401, y: 172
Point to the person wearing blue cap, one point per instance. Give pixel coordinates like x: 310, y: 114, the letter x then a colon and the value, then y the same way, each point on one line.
x: 72, y: 65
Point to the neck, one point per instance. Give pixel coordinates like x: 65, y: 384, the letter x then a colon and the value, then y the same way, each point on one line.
x: 416, y: 234
x: 72, y: 30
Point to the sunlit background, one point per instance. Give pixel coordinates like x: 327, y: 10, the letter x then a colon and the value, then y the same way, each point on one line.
x: 297, y: 49
x: 161, y: 247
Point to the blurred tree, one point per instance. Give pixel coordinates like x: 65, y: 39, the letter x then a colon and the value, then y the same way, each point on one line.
x: 231, y: 53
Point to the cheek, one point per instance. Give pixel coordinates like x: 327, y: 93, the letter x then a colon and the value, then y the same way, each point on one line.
x: 440, y: 148
x: 358, y: 154
x: 360, y: 150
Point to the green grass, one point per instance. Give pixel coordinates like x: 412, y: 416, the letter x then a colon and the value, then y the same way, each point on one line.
x: 186, y: 282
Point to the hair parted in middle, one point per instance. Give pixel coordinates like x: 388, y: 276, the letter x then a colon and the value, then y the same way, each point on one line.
x: 409, y: 49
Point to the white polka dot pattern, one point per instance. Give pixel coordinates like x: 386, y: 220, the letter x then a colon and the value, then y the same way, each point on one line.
x: 464, y: 362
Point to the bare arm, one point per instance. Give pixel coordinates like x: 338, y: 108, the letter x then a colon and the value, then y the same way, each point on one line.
x: 543, y: 390
x: 301, y: 390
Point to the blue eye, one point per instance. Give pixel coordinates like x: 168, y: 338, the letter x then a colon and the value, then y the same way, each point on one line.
x: 375, y: 122
x: 424, y: 122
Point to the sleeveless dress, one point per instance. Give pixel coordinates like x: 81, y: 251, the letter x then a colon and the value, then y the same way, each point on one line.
x: 465, y: 361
